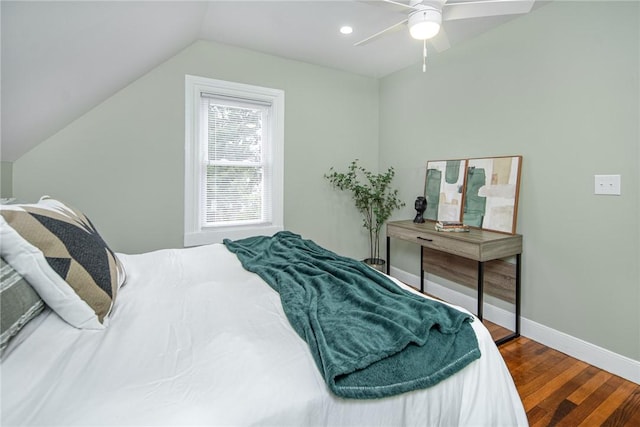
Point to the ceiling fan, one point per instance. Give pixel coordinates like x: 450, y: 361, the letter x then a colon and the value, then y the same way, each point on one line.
x: 425, y: 17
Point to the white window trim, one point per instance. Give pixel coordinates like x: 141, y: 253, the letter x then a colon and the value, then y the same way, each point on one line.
x: 194, y: 234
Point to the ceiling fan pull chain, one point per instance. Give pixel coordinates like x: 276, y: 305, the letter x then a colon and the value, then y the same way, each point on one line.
x: 424, y: 56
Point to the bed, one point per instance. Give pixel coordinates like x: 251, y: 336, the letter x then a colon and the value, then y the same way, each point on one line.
x: 193, y: 338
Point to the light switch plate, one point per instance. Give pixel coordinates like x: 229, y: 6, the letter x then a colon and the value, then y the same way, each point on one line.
x: 607, y: 184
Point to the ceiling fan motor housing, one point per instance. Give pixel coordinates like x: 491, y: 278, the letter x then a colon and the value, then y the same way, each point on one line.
x: 425, y: 23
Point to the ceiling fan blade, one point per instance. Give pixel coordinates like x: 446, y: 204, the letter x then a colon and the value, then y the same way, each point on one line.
x: 390, y: 5
x: 481, y: 8
x: 402, y: 5
x: 440, y: 42
x: 394, y: 27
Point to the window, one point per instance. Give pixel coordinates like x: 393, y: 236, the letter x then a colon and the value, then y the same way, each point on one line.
x: 234, y: 139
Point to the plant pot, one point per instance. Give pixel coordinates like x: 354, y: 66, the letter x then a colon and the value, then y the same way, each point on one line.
x: 377, y: 263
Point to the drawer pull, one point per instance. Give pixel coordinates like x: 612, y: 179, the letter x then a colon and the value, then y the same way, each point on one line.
x: 423, y: 238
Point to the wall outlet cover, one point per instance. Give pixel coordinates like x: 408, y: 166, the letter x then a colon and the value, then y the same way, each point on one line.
x: 607, y: 184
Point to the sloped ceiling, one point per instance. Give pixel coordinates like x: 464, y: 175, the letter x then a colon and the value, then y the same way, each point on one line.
x: 60, y: 59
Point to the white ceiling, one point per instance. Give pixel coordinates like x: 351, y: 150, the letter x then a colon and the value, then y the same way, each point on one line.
x: 59, y: 59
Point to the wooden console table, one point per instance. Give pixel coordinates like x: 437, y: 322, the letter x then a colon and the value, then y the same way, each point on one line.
x: 476, y: 245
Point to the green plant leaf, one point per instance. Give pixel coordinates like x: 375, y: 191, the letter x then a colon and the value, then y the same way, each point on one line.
x: 372, y: 195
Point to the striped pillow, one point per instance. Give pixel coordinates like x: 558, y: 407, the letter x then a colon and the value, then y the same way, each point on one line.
x: 19, y: 303
x: 58, y: 250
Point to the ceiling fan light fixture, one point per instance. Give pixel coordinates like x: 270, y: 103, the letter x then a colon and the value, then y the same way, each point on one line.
x: 425, y: 24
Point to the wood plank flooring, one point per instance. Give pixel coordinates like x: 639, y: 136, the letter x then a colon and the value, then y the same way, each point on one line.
x: 558, y: 390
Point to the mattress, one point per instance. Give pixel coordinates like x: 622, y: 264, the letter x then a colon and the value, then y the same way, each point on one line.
x: 194, y: 339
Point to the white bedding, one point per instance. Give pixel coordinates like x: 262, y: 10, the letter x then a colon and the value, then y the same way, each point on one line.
x: 194, y: 339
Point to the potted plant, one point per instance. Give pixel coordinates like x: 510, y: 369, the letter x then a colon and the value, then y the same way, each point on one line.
x: 374, y: 198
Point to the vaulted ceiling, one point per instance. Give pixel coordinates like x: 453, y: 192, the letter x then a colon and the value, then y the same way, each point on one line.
x: 60, y: 59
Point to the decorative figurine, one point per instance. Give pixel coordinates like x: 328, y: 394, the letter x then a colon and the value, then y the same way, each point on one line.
x: 421, y: 206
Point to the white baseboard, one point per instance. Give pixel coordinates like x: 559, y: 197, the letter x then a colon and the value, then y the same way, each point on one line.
x: 607, y: 360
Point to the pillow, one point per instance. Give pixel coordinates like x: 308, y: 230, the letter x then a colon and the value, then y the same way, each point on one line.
x: 60, y: 253
x: 19, y: 303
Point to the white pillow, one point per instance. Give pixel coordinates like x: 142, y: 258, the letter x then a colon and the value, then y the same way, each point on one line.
x: 19, y: 303
x: 60, y: 253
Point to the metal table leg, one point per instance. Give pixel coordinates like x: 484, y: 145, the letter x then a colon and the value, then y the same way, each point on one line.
x: 421, y: 268
x: 480, y: 288
x: 516, y: 334
x: 388, y: 254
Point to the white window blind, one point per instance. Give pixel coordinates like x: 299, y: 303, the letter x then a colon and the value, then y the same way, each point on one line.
x: 237, y: 178
x: 234, y: 143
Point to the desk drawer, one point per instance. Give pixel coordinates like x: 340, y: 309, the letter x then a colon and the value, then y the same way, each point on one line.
x: 445, y: 244
x: 436, y: 240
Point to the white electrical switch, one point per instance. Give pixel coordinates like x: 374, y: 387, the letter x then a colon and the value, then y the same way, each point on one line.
x: 607, y: 184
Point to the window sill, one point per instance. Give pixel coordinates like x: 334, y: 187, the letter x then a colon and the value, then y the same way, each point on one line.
x: 199, y: 238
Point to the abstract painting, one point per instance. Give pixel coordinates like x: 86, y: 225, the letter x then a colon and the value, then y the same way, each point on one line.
x: 444, y: 187
x: 491, y: 193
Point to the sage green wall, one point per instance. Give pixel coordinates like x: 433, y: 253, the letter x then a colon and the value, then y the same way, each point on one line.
x: 123, y: 161
x: 559, y: 86
x: 6, y: 179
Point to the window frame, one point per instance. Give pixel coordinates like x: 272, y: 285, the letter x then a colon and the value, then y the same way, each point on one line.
x: 195, y: 148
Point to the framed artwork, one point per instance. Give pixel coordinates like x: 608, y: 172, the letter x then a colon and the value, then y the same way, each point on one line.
x: 444, y: 188
x: 491, y: 193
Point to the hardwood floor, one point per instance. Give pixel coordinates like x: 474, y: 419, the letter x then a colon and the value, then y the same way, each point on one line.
x: 558, y: 390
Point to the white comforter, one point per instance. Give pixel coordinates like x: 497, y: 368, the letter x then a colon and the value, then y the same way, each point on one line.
x: 194, y: 339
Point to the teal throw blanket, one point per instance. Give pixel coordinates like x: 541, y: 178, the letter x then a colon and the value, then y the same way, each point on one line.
x: 368, y: 337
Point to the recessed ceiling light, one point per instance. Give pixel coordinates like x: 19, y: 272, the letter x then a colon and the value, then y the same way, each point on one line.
x: 346, y: 29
